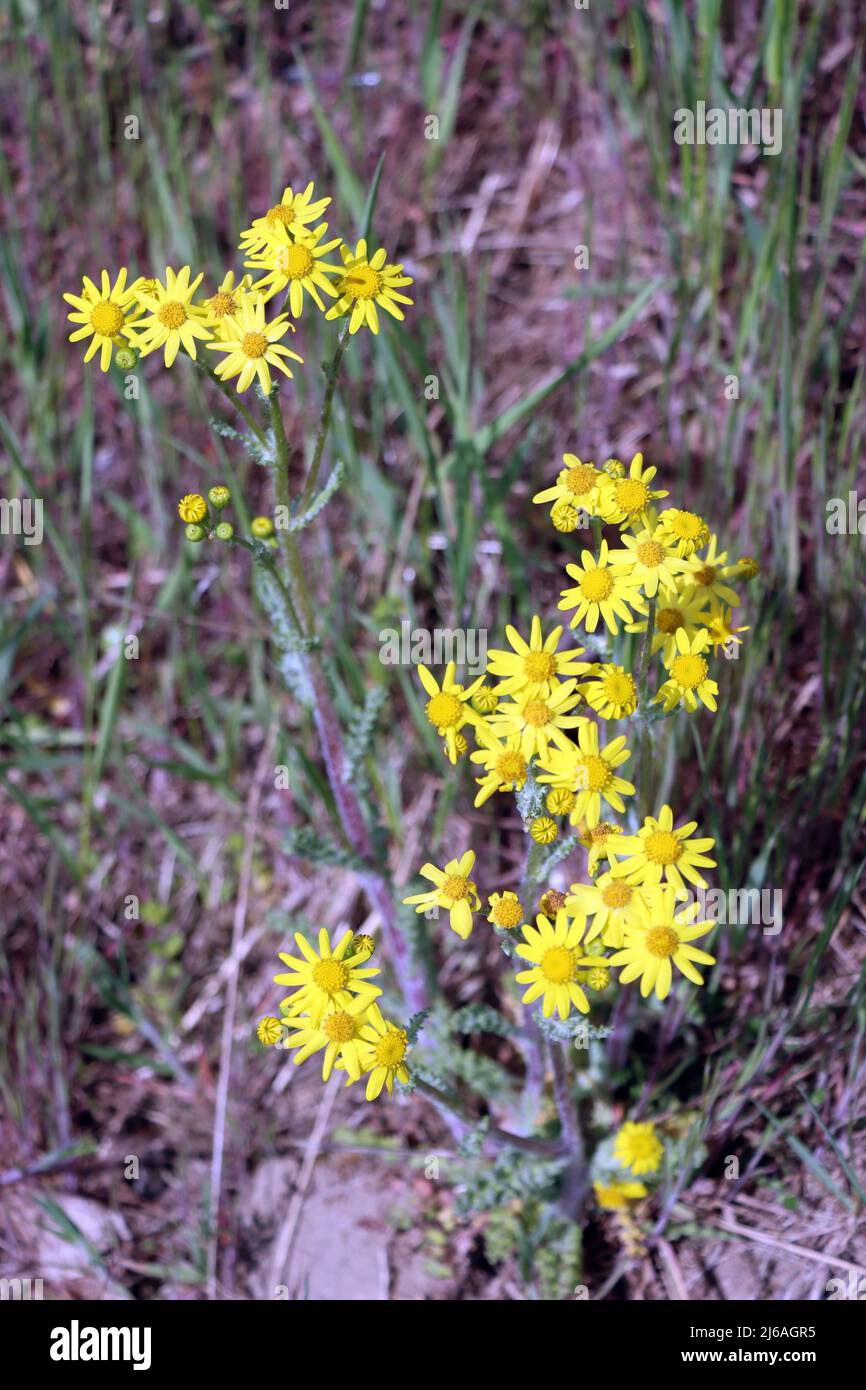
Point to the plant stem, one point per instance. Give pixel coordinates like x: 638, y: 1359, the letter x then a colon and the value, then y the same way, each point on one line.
x: 238, y: 404
x: 331, y: 373
x: 501, y: 1138
x: 324, y: 714
x: 645, y: 789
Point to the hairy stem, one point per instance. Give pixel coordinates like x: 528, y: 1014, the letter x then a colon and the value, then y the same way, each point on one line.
x: 500, y: 1138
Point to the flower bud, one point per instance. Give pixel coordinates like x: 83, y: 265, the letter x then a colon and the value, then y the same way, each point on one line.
x: 192, y: 507
x: 269, y: 1031
x: 194, y: 532
x: 224, y: 531
x: 219, y: 497
x: 126, y: 358
x: 543, y: 830
x: 262, y: 527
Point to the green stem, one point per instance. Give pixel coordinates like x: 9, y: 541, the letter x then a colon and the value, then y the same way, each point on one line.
x: 331, y: 373
x: 238, y: 404
x: 644, y: 790
x: 501, y: 1138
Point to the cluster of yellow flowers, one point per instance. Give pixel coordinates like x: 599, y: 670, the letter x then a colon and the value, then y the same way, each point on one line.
x: 638, y: 1149
x: 534, y: 723
x: 150, y: 313
x: 332, y: 1009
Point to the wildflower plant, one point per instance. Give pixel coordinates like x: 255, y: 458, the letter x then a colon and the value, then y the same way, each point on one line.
x: 563, y: 727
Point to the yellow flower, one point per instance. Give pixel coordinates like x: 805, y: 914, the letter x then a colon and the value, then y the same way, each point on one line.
x: 601, y: 841
x: 686, y: 611
x: 294, y: 211
x: 298, y: 264
x: 686, y: 531
x: 652, y: 560
x: 602, y: 590
x: 598, y: 978
x: 269, y: 1031
x: 106, y: 315
x: 658, y: 937
x: 721, y: 630
x: 564, y: 517
x: 222, y: 308
x: 192, y: 507
x: 607, y: 901
x: 326, y: 979
x: 172, y: 320
x: 505, y: 910
x: 384, y: 1048
x: 454, y: 891
x: 539, y: 722
x: 688, y: 675
x: 560, y: 801
x: 707, y: 573
x: 460, y: 747
x: 505, y: 767
x: 363, y: 943
x: 590, y: 772
x: 636, y: 1147
x: 366, y: 283
x: 254, y: 347
x: 262, y: 527
x: 543, y: 830
x: 485, y: 699
x: 534, y: 667
x: 628, y: 502
x: 339, y: 1032
x: 611, y: 692
x: 660, y: 851
x: 577, y: 485
x: 448, y: 708
x: 615, y: 1196
x: 555, y: 959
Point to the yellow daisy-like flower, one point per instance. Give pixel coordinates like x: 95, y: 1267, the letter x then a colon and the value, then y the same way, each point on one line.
x: 220, y: 311
x: 534, y: 667
x: 385, y: 1046
x: 538, y: 722
x: 505, y: 910
x: 298, y: 264
x: 657, y: 938
x: 543, y: 830
x: 637, y: 1147
x: 602, y: 590
x: 505, y: 767
x: 554, y: 957
x: 615, y: 1196
x: 578, y: 485
x: 661, y: 851
x: 294, y: 212
x: 652, y: 560
x: 601, y: 841
x: 192, y: 507
x: 686, y: 531
x: 366, y: 283
x: 608, y: 902
x: 611, y: 692
x: 448, y: 708
x: 454, y: 891
x: 327, y: 978
x: 107, y: 316
x: 173, y: 321
x: 686, y: 611
x: 628, y: 502
x: 721, y: 629
x: 254, y: 347
x: 269, y: 1031
x: 708, y: 574
x: 590, y: 772
x: 688, y: 675
x: 339, y: 1033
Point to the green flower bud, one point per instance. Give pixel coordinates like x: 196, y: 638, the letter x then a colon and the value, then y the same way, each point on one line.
x: 219, y: 497
x: 262, y: 527
x: 126, y: 358
x: 224, y: 531
x: 195, y: 532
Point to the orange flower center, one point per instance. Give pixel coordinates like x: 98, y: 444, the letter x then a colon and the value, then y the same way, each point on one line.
x: 106, y: 319
x: 171, y: 314
x: 661, y: 942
